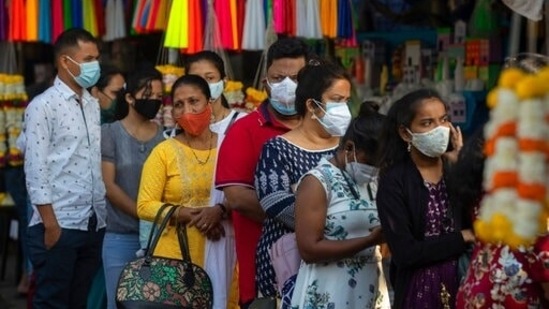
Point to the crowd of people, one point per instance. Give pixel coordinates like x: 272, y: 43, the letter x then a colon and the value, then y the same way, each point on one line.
x: 285, y: 206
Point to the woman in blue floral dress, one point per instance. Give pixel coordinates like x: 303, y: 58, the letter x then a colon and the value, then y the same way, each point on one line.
x: 338, y: 229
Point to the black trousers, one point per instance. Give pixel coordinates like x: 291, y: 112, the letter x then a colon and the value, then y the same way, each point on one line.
x: 64, y: 273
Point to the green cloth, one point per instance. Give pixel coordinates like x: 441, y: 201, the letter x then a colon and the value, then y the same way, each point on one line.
x: 108, y: 114
x: 97, y: 297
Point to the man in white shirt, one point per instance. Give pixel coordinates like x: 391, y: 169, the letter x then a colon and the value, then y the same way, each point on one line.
x: 63, y: 175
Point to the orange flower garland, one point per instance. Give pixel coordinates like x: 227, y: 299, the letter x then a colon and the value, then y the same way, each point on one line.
x: 515, y: 208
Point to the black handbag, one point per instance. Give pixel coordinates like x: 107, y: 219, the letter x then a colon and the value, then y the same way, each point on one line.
x: 158, y: 282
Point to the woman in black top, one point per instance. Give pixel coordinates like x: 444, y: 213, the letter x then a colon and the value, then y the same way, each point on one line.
x: 420, y: 225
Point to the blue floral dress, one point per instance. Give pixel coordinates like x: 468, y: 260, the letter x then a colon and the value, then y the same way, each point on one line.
x: 356, y: 282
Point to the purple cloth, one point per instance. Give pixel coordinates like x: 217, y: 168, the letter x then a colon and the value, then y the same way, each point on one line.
x: 426, y: 284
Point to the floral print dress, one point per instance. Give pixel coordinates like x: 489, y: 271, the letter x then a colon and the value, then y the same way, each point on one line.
x: 435, y: 285
x: 355, y: 282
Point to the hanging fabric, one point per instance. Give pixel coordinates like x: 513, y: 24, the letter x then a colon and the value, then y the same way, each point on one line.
x: 99, y: 11
x: 57, y: 19
x: 308, y: 19
x: 17, y: 23
x: 67, y: 14
x: 253, y: 37
x: 224, y: 16
x: 77, y: 10
x: 151, y: 20
x: 88, y: 18
x: 278, y: 13
x: 196, y: 34
x: 138, y: 13
x: 32, y: 20
x: 270, y: 38
x: 178, y: 23
x: 291, y: 18
x: 3, y: 21
x: 345, y: 19
x: 234, y: 25
x: 213, y: 40
x: 110, y: 21
x: 44, y: 21
x: 241, y: 10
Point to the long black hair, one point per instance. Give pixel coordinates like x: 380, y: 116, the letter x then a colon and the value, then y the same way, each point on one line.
x: 192, y: 80
x: 315, y: 79
x: 466, y: 174
x: 215, y: 60
x: 364, y: 131
x: 392, y: 149
x: 137, y: 81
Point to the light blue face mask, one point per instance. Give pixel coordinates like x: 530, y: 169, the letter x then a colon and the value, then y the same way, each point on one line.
x: 89, y: 73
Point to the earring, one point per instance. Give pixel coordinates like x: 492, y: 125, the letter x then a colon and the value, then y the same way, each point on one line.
x: 409, y: 148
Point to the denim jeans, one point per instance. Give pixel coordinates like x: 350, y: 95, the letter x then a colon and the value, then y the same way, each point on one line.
x: 16, y: 187
x: 118, y: 249
x: 64, y: 272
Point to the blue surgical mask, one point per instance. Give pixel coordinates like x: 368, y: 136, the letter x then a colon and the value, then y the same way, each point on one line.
x: 89, y: 73
x: 361, y: 173
x: 283, y: 96
x: 216, y: 89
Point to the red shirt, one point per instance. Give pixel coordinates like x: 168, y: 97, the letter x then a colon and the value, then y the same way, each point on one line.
x: 236, y: 164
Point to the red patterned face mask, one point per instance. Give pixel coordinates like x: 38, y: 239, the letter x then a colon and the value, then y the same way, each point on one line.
x: 194, y: 124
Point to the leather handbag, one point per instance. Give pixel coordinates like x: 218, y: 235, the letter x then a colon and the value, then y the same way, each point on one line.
x: 158, y: 282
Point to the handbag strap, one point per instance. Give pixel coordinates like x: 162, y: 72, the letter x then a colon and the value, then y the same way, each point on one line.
x: 156, y: 223
x: 158, y: 231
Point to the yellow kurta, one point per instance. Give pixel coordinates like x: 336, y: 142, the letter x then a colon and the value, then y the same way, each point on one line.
x: 162, y: 182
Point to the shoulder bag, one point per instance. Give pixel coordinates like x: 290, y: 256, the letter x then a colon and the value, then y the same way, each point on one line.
x: 158, y: 282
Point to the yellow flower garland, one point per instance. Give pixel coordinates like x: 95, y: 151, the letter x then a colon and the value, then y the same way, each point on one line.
x: 514, y: 211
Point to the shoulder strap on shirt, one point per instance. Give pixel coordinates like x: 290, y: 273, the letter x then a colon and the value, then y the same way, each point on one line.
x: 233, y: 119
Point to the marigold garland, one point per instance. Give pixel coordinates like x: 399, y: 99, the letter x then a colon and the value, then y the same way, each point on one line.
x: 515, y: 209
x: 12, y: 105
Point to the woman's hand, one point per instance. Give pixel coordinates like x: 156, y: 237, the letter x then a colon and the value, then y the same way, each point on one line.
x: 216, y: 232
x: 468, y: 236
x: 456, y: 138
x: 206, y: 218
x: 376, y: 236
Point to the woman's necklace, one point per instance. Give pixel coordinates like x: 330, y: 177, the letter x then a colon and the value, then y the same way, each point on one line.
x: 133, y: 133
x: 201, y: 162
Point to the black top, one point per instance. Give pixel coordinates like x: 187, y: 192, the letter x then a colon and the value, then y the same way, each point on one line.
x: 402, y: 199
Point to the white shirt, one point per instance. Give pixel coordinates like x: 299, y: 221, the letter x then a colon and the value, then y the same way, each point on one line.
x: 63, y: 157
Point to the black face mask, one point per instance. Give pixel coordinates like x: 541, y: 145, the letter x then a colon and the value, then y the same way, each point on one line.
x: 147, y: 108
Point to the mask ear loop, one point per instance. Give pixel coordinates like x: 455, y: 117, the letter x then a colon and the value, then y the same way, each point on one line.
x: 354, y: 192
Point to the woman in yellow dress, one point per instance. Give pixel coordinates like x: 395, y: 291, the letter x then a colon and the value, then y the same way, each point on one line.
x: 180, y: 171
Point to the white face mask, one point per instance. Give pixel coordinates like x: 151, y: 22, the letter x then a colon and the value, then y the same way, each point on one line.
x: 433, y: 143
x: 530, y: 9
x: 216, y: 89
x: 336, y: 119
x: 361, y: 173
x: 283, y: 96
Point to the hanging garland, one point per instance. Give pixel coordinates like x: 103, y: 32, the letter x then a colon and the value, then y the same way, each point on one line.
x: 514, y: 211
x: 12, y: 106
